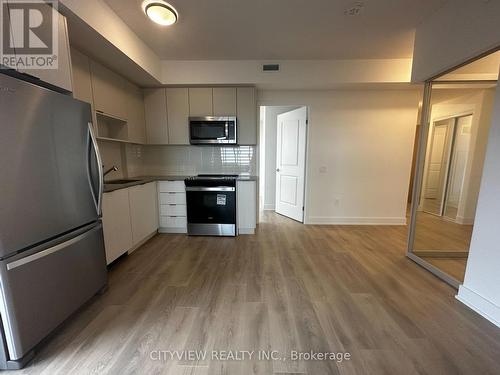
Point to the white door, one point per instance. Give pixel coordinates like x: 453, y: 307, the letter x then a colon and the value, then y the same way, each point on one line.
x: 459, y: 158
x: 290, y: 163
x: 436, y: 166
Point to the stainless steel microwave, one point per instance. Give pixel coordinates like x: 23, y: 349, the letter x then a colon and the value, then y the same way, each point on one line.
x: 211, y: 130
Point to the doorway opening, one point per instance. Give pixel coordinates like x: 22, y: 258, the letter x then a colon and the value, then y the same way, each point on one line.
x: 282, y: 154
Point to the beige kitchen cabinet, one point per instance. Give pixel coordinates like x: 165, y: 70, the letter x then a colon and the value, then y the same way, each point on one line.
x: 82, y: 81
x: 136, y: 121
x: 200, y: 101
x: 224, y: 101
x: 246, y: 206
x: 155, y: 106
x: 60, y: 77
x: 116, y: 224
x: 143, y: 211
x: 178, y: 116
x: 246, y: 113
x: 108, y: 91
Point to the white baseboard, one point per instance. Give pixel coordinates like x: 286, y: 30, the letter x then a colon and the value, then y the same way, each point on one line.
x: 479, y: 304
x: 331, y: 220
x: 269, y: 207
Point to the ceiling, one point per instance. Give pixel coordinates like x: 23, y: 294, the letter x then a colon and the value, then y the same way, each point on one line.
x: 485, y: 68
x: 281, y: 29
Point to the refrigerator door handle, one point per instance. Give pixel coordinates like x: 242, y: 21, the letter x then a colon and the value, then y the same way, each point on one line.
x: 51, y: 250
x: 99, y: 168
x: 89, y: 171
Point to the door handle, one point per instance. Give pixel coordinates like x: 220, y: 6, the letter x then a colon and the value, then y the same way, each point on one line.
x: 277, y: 169
x: 99, y: 168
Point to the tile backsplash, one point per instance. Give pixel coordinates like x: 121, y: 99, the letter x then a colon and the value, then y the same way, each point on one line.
x: 134, y: 160
x: 191, y: 160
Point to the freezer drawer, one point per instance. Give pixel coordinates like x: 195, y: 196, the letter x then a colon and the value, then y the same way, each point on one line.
x: 40, y: 290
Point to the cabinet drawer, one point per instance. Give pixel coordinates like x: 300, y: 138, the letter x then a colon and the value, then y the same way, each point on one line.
x: 172, y: 198
x: 171, y: 187
x: 173, y: 209
x: 173, y: 222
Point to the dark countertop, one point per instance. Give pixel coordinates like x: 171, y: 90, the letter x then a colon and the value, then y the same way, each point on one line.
x: 140, y: 180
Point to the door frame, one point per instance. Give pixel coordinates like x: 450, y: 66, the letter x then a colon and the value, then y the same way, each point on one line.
x: 279, y: 103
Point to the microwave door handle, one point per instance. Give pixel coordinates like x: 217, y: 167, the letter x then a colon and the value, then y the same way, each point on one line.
x: 226, y: 132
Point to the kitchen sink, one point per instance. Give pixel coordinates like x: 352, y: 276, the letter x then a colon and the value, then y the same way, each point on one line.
x: 119, y: 182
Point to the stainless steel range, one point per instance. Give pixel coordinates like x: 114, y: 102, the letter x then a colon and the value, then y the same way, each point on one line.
x: 211, y: 205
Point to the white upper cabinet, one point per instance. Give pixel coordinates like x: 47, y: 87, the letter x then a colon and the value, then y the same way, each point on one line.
x: 246, y: 113
x: 224, y: 101
x: 155, y: 105
x: 200, y: 101
x: 136, y: 121
x: 60, y: 77
x: 82, y: 82
x: 109, y: 91
x: 178, y: 116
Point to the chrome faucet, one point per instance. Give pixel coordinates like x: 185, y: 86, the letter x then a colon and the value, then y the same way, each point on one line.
x: 114, y: 168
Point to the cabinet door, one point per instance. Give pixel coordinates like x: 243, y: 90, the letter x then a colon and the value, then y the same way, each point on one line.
x: 60, y: 77
x: 82, y: 82
x: 143, y: 211
x: 155, y: 105
x: 247, y: 115
x: 116, y: 224
x: 136, y: 118
x: 200, y: 102
x: 108, y: 91
x: 178, y: 116
x: 246, y: 206
x: 224, y: 99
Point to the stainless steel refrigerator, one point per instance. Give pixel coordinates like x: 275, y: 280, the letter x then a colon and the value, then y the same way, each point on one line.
x: 51, y: 243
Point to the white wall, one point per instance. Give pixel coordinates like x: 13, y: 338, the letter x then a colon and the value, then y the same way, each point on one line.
x: 481, y: 288
x: 359, y: 152
x: 459, y: 31
x: 293, y: 74
x: 269, y: 149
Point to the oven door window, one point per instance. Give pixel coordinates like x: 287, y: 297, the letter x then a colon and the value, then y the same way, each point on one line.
x: 211, y: 207
x: 203, y: 131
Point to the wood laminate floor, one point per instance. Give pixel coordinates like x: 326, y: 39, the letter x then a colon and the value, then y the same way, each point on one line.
x: 290, y: 287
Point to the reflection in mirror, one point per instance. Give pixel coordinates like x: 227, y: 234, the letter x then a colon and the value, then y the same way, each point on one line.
x: 459, y: 121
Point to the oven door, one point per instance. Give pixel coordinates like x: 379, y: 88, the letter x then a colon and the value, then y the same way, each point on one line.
x: 212, y: 130
x: 211, y: 210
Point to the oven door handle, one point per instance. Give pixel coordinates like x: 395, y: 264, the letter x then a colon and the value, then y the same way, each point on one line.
x: 215, y: 188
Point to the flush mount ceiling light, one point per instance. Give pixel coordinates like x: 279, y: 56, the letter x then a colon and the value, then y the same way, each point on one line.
x: 160, y: 12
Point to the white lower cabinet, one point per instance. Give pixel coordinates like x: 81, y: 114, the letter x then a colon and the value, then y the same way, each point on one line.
x: 129, y: 216
x: 172, y: 207
x: 116, y: 224
x: 246, y: 206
